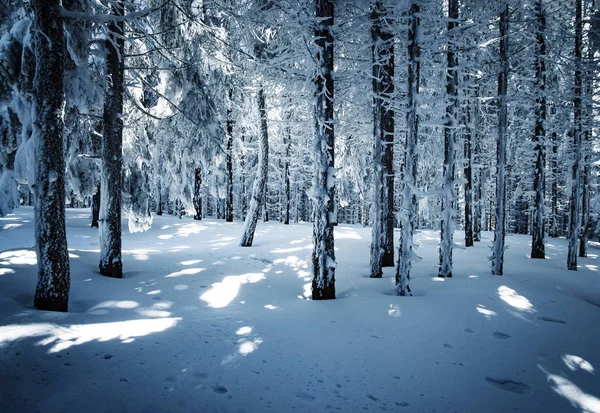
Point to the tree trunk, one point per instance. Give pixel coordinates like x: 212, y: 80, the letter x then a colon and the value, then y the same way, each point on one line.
x: 286, y: 175
x: 500, y: 229
x: 229, y: 194
x: 448, y: 213
x: 586, y: 184
x: 54, y: 279
x: 537, y: 239
x: 259, y: 188
x: 468, y: 171
x: 554, y: 223
x: 197, y: 198
x: 323, y: 255
x: 243, y: 202
x: 575, y: 201
x: 96, y: 208
x: 409, y: 199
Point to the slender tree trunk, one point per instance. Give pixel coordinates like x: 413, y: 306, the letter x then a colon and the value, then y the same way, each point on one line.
x: 500, y: 230
x: 286, y: 175
x: 96, y: 207
x: 323, y: 256
x: 554, y: 223
x: 112, y: 143
x: 537, y: 239
x: 259, y: 188
x: 575, y: 201
x: 197, y: 198
x: 54, y: 279
x: 586, y: 184
x: 478, y: 192
x: 229, y: 161
x: 468, y: 171
x: 243, y: 202
x: 409, y: 199
x: 448, y: 213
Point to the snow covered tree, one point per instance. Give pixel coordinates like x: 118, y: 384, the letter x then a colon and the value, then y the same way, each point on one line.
x: 322, y: 191
x: 52, y: 291
x: 382, y: 38
x: 112, y: 145
x: 500, y: 230
x: 450, y: 126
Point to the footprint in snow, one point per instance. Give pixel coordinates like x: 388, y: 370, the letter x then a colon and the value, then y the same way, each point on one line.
x: 448, y: 345
x: 370, y: 396
x: 552, y: 320
x: 501, y: 336
x: 220, y: 389
x: 304, y: 396
x: 402, y: 404
x: 108, y: 356
x: 171, y: 379
x: 469, y: 330
x: 200, y: 376
x: 509, y: 385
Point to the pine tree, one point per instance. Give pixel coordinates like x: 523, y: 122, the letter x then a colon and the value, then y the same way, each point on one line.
x: 323, y: 255
x: 52, y: 291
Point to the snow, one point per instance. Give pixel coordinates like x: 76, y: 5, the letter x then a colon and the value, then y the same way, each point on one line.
x: 200, y: 324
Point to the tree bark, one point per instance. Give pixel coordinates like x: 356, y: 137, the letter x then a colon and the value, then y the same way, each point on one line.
x: 229, y: 160
x: 575, y: 200
x: 96, y: 208
x: 468, y: 171
x: 54, y: 279
x: 537, y: 234
x: 500, y: 230
x: 448, y: 212
x: 197, y: 198
x: 323, y: 255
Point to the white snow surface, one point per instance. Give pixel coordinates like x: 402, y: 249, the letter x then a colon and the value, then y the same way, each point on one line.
x: 199, y: 324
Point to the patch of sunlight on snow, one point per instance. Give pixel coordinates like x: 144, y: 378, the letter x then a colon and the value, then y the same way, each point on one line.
x: 189, y: 229
x: 152, y: 313
x: 591, y: 267
x: 305, y: 275
x: 248, y: 347
x: 190, y: 262
x: 298, y: 241
x: 350, y: 234
x: 73, y: 255
x: 438, y: 279
x: 307, y: 290
x: 11, y: 226
x: 153, y: 292
x: 594, y: 256
x: 294, y: 249
x: 165, y: 236
x: 576, y: 362
x: 18, y: 257
x: 140, y: 254
x: 181, y: 287
x: 187, y: 271
x: 578, y: 398
x: 270, y: 307
x: 243, y: 331
x: 179, y: 248
x: 87, y: 280
x: 64, y: 337
x: 165, y: 227
x: 4, y: 271
x: 512, y: 298
x: 473, y: 276
x: 115, y: 304
x: 488, y: 313
x: 222, y: 293
x: 394, y: 311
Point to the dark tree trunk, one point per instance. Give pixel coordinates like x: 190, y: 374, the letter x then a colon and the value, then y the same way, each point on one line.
x: 286, y: 175
x: 468, y: 171
x: 229, y: 194
x: 575, y: 201
x: 54, y: 280
x: 323, y: 255
x: 478, y: 193
x: 500, y: 229
x: 159, y: 206
x: 112, y: 144
x: 554, y: 223
x: 96, y: 207
x: 197, y: 198
x: 537, y: 234
x: 448, y: 214
x: 243, y: 178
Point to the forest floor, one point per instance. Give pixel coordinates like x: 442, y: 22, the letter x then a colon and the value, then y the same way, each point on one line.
x: 199, y: 324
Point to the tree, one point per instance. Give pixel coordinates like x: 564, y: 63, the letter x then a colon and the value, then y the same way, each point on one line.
x: 323, y: 255
x: 229, y: 157
x: 500, y: 230
x: 52, y: 291
x: 112, y: 144
x: 450, y: 125
x: 537, y: 233
x: 575, y: 200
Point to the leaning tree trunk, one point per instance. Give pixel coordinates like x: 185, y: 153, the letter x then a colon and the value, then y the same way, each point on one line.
x: 323, y: 255
x: 575, y: 201
x: 447, y: 224
x: 197, y: 197
x: 409, y: 199
x: 537, y: 232
x: 229, y: 161
x: 382, y: 244
x: 259, y: 188
x: 112, y: 144
x: 54, y: 279
x: 500, y: 230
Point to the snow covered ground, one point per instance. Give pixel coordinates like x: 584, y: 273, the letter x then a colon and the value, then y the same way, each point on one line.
x: 200, y: 324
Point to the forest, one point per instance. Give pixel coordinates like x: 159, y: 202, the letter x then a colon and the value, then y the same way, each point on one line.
x: 182, y: 180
